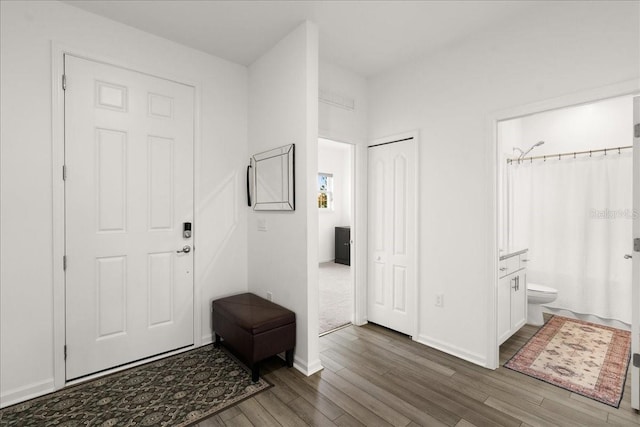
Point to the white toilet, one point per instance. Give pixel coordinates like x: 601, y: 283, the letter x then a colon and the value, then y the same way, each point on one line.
x: 536, y: 296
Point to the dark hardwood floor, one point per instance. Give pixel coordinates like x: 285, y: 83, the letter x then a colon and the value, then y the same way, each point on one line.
x: 375, y: 377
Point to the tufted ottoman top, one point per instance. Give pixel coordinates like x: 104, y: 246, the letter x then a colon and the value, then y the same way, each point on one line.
x: 252, y: 313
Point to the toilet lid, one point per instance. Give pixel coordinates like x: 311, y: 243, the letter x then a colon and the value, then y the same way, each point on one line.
x: 541, y: 288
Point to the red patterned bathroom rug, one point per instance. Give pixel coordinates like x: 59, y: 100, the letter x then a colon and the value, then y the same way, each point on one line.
x: 582, y: 357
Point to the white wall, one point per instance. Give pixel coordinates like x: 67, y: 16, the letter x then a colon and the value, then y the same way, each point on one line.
x: 557, y: 49
x: 334, y: 158
x: 283, y: 109
x: 339, y: 123
x: 593, y: 126
x: 27, y: 31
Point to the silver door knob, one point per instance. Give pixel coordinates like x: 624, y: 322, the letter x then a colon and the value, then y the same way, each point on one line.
x: 627, y: 256
x: 185, y: 249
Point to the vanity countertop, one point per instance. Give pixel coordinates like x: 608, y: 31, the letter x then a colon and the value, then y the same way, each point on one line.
x: 513, y: 252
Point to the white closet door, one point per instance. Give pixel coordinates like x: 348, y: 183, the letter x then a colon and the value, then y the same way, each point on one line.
x: 129, y: 188
x: 392, y: 235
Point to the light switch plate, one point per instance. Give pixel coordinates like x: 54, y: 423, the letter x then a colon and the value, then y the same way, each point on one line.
x: 262, y: 224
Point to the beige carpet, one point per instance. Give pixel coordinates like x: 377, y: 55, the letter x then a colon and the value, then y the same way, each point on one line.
x: 336, y: 296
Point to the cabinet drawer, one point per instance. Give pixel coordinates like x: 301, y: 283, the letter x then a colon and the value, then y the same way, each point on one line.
x: 503, y: 270
x: 513, y: 264
x: 509, y: 265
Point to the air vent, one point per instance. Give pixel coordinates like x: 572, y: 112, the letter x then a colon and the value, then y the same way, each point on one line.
x: 337, y: 100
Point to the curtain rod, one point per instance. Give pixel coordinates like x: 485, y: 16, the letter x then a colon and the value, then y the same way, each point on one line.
x: 574, y: 154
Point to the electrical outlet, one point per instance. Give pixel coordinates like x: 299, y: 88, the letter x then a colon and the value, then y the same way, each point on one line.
x: 269, y: 295
x: 439, y: 300
x: 262, y: 224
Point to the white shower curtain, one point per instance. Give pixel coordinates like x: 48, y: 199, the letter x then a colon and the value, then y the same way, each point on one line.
x: 575, y: 216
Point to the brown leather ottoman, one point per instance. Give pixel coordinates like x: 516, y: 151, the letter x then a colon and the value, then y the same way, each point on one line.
x: 254, y: 328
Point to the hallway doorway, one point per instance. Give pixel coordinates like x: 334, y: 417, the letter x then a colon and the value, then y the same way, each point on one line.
x: 335, y: 208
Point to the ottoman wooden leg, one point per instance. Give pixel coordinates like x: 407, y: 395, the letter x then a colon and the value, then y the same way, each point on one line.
x: 289, y: 357
x: 216, y: 344
x: 255, y: 372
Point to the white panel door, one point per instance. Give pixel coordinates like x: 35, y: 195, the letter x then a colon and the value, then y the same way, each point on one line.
x: 128, y: 191
x: 635, y: 309
x: 391, y: 235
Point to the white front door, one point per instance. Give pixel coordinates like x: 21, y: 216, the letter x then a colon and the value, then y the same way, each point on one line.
x: 392, y: 235
x: 128, y: 191
x: 635, y: 309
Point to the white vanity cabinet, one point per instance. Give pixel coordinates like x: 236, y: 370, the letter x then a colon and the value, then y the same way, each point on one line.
x: 512, y: 294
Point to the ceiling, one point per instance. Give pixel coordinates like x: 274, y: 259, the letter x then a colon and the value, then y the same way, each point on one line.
x: 367, y: 37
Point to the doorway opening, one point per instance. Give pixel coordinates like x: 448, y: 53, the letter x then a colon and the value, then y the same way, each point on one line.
x: 566, y: 201
x: 335, y: 245
x: 565, y: 218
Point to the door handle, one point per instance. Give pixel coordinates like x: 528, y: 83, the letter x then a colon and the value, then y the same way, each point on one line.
x: 185, y: 249
x: 627, y: 256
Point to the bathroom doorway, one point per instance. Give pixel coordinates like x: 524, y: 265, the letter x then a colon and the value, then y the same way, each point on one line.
x: 335, y: 186
x: 564, y: 181
x: 584, y: 116
x: 565, y: 194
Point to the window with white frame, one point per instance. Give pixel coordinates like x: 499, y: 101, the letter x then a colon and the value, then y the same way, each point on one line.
x: 325, y: 191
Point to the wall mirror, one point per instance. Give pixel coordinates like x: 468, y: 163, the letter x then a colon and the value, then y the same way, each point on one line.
x: 274, y: 179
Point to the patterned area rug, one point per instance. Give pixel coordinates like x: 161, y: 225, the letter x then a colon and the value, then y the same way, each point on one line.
x: 582, y: 357
x: 176, y: 391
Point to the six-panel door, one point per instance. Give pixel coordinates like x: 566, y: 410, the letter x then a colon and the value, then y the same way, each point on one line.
x: 129, y: 188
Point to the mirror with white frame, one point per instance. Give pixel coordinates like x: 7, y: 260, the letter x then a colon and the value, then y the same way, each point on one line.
x: 274, y: 179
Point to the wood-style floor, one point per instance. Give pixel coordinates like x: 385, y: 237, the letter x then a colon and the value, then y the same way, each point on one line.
x: 376, y: 377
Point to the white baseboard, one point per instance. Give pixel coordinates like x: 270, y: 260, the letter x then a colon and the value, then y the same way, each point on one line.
x: 206, y: 339
x: 360, y: 322
x: 26, y: 392
x: 307, y: 369
x: 458, y: 352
